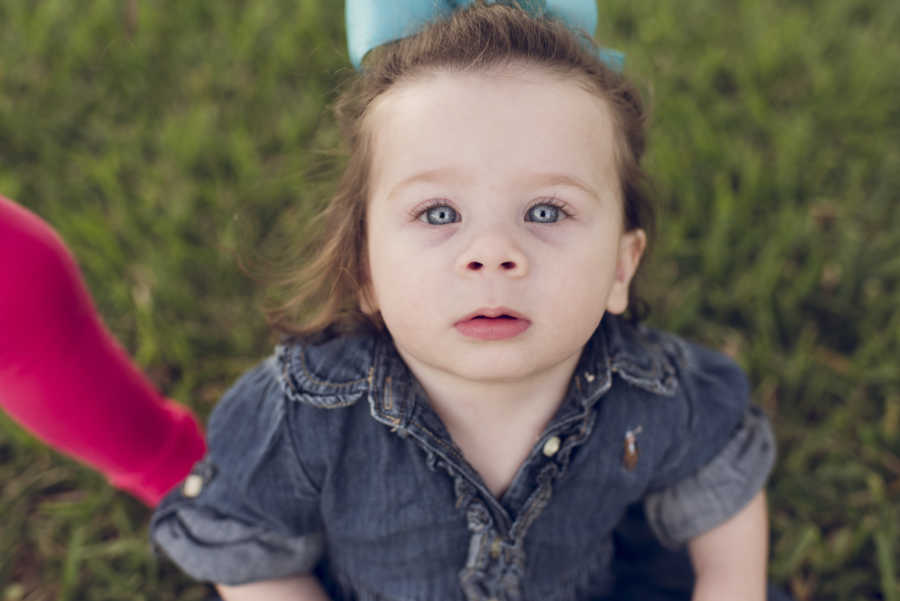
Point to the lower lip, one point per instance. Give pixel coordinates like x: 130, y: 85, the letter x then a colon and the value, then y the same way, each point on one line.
x: 492, y: 328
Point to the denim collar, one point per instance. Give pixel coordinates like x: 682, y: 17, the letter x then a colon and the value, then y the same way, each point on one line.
x: 340, y: 371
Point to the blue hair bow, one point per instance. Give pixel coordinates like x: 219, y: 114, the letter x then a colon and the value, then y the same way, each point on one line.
x: 371, y: 23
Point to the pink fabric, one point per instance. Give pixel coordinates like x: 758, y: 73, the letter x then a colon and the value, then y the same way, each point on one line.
x: 64, y: 378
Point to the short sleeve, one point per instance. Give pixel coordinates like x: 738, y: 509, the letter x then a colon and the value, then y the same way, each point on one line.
x: 719, y: 490
x: 248, y: 511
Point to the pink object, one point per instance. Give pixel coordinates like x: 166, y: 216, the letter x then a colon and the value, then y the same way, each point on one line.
x: 64, y: 377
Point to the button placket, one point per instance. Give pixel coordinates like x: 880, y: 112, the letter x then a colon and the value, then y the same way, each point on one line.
x: 495, y: 566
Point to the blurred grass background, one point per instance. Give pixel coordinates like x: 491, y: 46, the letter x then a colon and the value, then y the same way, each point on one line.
x: 167, y: 141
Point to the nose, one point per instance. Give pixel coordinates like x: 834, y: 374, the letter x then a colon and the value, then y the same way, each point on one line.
x: 491, y: 252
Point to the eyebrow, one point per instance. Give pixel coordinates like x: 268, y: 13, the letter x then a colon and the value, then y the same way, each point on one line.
x: 562, y: 179
x: 428, y: 176
x: 537, y: 179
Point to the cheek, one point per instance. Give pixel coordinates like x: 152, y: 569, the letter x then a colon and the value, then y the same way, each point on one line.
x: 579, y: 286
x: 401, y: 284
x: 591, y: 270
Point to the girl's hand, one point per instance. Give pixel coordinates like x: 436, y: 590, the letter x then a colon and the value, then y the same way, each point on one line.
x: 730, y: 560
x: 300, y: 588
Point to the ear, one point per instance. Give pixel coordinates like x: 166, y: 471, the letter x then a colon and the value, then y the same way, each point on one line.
x: 631, y: 249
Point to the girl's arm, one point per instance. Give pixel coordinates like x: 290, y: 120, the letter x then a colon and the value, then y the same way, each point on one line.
x: 301, y: 588
x: 730, y: 560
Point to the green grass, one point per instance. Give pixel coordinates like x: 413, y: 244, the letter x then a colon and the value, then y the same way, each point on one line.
x: 167, y: 140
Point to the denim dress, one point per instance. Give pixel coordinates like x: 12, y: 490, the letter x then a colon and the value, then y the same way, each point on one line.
x: 327, y: 458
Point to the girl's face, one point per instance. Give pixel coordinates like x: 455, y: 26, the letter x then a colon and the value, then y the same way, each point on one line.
x: 495, y: 223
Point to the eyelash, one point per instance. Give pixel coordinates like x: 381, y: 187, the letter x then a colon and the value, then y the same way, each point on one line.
x: 553, y: 202
x: 419, y: 210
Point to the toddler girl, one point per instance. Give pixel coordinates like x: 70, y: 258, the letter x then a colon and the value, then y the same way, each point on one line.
x: 466, y: 414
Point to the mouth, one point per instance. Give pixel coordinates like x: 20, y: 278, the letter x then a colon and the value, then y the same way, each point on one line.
x: 493, y: 313
x: 497, y: 323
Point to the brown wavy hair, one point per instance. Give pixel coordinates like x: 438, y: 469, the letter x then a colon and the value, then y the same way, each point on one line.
x: 327, y: 289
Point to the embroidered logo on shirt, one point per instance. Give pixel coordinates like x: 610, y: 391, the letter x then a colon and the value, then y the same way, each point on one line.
x: 630, y: 456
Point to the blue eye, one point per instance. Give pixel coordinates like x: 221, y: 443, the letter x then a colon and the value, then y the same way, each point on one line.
x: 544, y: 212
x: 439, y: 215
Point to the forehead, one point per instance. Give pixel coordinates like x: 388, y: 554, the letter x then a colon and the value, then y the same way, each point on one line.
x: 498, y: 122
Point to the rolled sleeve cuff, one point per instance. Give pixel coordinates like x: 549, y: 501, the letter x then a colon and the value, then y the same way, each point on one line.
x: 218, y: 549
x: 719, y: 490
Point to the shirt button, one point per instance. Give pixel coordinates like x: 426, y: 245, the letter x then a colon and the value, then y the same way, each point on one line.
x: 193, y: 484
x: 551, y: 446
